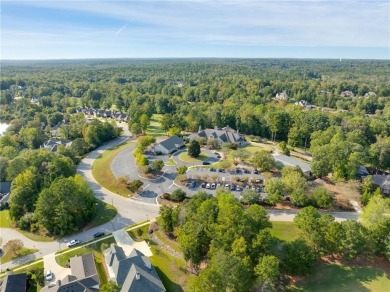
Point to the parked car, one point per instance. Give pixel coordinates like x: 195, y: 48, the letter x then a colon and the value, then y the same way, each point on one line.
x: 257, y: 181
x: 212, y: 169
x: 246, y: 171
x: 255, y: 171
x: 208, y: 186
x: 237, y: 170
x: 203, y: 185
x: 213, y: 185
x: 206, y: 163
x: 193, y: 185
x: 247, y: 187
x: 218, y: 185
x: 218, y: 156
x: 226, y: 185
x: 221, y: 170
x: 98, y: 234
x: 49, y: 275
x: 238, y: 188
x: 232, y: 187
x: 73, y: 242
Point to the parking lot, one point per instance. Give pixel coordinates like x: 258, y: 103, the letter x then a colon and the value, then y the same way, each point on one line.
x: 236, y: 180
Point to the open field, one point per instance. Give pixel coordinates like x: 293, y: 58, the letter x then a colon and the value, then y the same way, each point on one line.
x: 104, y: 214
x: 285, y: 231
x: 186, y: 158
x: 333, y: 277
x: 155, y: 128
x: 103, y: 174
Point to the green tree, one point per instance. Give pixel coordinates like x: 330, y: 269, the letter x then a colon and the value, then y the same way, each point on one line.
x: 249, y: 197
x: 79, y: 146
x: 32, y: 138
x: 181, y: 169
x: 354, y: 239
x: 166, y: 220
x: 67, y: 205
x: 267, y: 272
x: 144, y: 122
x: 194, y: 149
x: 111, y: 286
x: 3, y: 168
x: 174, y: 131
x: 178, y: 195
x: 241, y: 154
x: 24, y: 190
x: 274, y: 188
x: 263, y: 160
x: 298, y: 258
x: 321, y: 197
x: 158, y: 164
x: 136, y: 129
x: 135, y: 185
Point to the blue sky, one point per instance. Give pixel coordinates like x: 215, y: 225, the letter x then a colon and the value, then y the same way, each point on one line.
x: 152, y: 29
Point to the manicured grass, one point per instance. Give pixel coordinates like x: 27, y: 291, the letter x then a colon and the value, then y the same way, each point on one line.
x: 286, y: 231
x: 101, y: 171
x: 36, y: 237
x: 5, y: 220
x: 186, y: 158
x: 332, y: 277
x: 155, y: 128
x: 170, y: 162
x: 21, y: 252
x: 104, y: 213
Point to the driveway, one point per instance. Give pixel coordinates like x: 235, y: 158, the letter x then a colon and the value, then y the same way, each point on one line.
x: 59, y: 273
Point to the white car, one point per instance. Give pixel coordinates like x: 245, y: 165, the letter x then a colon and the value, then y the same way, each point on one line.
x: 49, y: 275
x: 73, y: 242
x: 208, y: 186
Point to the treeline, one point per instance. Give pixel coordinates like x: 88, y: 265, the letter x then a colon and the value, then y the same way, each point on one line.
x: 232, y: 249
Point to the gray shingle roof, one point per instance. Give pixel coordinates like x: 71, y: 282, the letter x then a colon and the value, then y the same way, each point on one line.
x: 126, y: 269
x: 172, y: 143
x: 14, y: 283
x: 383, y: 181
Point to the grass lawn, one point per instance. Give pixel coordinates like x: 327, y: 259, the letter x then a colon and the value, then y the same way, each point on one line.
x: 104, y: 214
x: 333, y: 277
x: 5, y: 220
x: 172, y: 271
x: 155, y: 128
x: 95, y: 249
x: 101, y: 171
x: 21, y: 252
x: 286, y: 231
x: 170, y: 162
x: 186, y: 158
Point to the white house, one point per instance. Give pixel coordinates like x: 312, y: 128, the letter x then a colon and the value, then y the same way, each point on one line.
x: 169, y: 145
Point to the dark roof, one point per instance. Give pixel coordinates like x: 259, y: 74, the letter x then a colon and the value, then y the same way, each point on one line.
x: 225, y: 134
x: 383, y: 181
x: 5, y: 187
x: 172, y: 143
x: 14, y: 283
x: 125, y: 270
x: 83, y: 266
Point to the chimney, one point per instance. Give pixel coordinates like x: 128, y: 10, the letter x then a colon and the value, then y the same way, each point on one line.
x: 137, y: 276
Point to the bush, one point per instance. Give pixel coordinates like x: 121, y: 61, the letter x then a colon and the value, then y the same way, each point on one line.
x: 181, y: 169
x: 178, y: 195
x: 166, y: 196
x: 321, y: 197
x: 135, y: 185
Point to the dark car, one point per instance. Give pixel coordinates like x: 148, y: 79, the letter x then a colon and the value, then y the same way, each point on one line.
x: 246, y: 171
x: 218, y: 156
x: 206, y: 163
x: 221, y: 170
x: 237, y: 170
x: 255, y: 171
x: 203, y: 185
x: 212, y: 169
x: 98, y: 234
x: 232, y: 187
x: 193, y: 185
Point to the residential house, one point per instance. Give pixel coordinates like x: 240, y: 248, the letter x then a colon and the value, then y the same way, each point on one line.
x: 226, y: 134
x: 169, y: 145
x: 282, y: 96
x: 290, y: 161
x: 304, y: 103
x: 14, y: 283
x: 52, y: 144
x: 347, y: 93
x: 383, y: 182
x: 83, y: 277
x: 370, y: 93
x: 134, y: 273
x: 5, y: 191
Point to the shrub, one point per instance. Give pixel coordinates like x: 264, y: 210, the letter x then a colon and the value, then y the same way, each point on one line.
x: 181, y: 169
x: 135, y: 185
x: 178, y: 195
